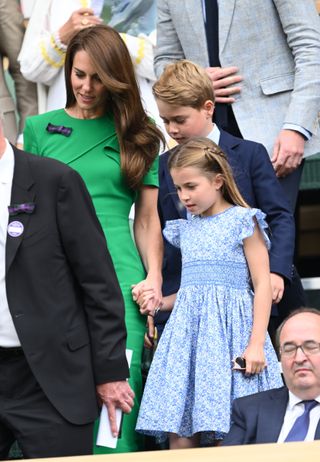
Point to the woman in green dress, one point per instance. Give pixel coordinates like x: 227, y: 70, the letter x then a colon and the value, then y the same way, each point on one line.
x: 105, y: 135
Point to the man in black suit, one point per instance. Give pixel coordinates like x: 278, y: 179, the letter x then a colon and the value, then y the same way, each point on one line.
x: 291, y: 413
x: 62, y: 331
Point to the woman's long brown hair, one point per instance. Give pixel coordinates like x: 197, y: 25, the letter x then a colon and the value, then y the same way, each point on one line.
x: 139, y: 137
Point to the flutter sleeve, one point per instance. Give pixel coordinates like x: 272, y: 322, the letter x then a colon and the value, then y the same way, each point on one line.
x: 250, y: 219
x: 172, y: 231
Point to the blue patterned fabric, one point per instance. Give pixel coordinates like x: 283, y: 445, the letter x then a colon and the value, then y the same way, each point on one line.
x: 190, y: 386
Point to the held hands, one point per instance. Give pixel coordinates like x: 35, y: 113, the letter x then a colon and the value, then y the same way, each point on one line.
x: 116, y: 395
x: 287, y: 152
x: 255, y: 359
x: 222, y: 78
x: 84, y: 17
x: 147, y: 294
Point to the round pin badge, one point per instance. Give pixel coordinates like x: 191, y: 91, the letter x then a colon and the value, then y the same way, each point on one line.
x: 15, y: 228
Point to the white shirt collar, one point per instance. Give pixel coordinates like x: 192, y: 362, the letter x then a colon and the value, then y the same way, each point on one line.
x: 293, y: 400
x: 7, y: 165
x: 214, y: 135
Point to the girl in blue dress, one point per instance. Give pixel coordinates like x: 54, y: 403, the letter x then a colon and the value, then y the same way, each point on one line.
x: 221, y: 310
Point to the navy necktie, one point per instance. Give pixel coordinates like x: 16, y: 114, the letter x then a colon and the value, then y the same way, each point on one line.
x: 223, y: 114
x: 300, y: 427
x: 212, y: 31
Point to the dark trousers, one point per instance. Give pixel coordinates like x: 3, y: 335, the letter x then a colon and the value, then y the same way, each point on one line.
x: 26, y: 415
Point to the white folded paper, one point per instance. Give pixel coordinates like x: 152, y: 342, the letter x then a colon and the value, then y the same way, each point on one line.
x: 104, y: 436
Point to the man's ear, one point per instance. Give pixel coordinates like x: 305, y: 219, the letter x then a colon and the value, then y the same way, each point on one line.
x: 209, y: 107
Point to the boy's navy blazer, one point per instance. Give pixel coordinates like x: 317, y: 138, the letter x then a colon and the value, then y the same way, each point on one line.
x: 259, y: 186
x: 258, y: 418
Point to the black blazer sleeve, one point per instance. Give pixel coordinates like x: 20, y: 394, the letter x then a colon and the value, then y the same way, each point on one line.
x: 84, y: 244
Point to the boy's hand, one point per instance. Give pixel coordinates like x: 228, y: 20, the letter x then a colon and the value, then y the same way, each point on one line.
x: 277, y: 286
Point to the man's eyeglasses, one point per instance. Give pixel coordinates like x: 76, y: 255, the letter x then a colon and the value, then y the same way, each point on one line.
x: 310, y: 347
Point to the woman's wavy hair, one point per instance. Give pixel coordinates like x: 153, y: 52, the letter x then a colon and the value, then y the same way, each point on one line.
x: 139, y: 137
x: 205, y: 155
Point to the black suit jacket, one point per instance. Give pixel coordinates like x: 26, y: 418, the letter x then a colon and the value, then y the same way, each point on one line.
x: 62, y: 289
x: 258, y: 418
x: 259, y: 186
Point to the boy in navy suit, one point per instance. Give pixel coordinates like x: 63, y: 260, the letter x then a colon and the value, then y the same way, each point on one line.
x: 185, y: 100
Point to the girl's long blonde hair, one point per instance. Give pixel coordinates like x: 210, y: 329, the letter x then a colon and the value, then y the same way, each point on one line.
x: 205, y: 155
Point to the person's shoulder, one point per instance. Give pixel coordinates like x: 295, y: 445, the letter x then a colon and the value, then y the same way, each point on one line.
x: 247, y: 147
x: 251, y: 147
x: 45, y: 118
x: 240, y: 211
x: 246, y: 215
x: 164, y: 157
x: 256, y: 398
x: 45, y: 165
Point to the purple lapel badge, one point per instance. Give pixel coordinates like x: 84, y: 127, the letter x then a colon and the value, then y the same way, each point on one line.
x: 15, y: 228
x: 60, y: 129
x: 15, y: 209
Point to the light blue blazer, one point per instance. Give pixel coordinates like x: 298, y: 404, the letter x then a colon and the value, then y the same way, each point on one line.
x: 276, y: 46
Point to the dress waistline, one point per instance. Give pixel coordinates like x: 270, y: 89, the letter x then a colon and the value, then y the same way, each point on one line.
x: 231, y: 274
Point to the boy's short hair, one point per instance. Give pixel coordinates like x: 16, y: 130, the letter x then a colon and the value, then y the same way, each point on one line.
x: 184, y: 83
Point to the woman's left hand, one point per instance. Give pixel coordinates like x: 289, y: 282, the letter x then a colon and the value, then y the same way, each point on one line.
x: 147, y: 294
x: 255, y: 359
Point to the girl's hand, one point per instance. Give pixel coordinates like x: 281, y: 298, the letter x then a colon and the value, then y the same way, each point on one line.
x: 255, y: 359
x: 147, y: 295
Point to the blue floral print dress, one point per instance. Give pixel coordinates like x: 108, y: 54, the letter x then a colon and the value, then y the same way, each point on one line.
x: 191, y: 385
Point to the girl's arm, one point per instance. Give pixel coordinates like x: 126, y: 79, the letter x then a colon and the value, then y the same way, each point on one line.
x: 257, y: 257
x: 168, y: 302
x: 148, y: 237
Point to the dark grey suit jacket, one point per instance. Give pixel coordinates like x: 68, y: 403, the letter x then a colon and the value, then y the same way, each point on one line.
x: 258, y: 418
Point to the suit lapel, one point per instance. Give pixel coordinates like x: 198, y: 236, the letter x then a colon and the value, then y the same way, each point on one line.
x: 21, y: 192
x: 271, y: 415
x: 227, y: 141
x: 195, y: 15
x: 225, y: 17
